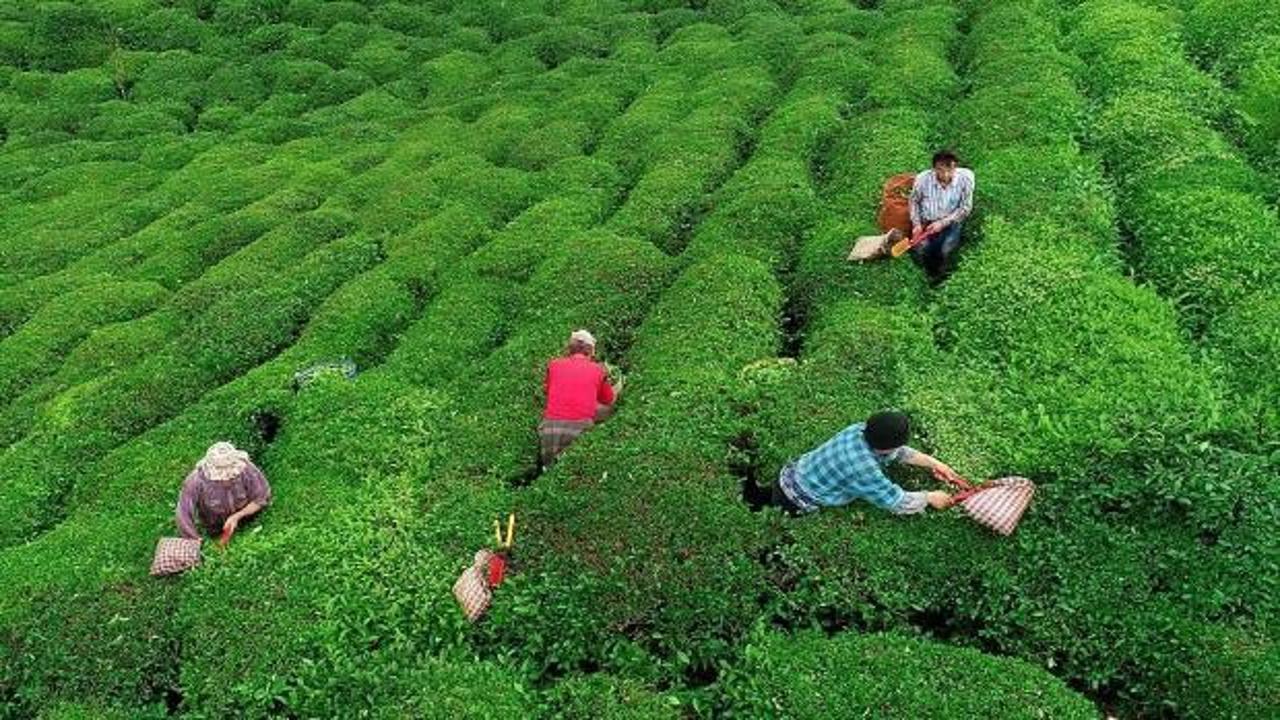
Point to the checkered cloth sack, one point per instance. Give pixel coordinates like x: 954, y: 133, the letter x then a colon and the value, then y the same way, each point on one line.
x: 998, y: 504
x: 472, y: 588
x: 175, y: 555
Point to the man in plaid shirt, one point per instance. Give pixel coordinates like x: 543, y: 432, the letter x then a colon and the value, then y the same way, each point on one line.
x: 850, y: 465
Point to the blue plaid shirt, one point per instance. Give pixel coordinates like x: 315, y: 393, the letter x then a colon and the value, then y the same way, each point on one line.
x: 844, y: 469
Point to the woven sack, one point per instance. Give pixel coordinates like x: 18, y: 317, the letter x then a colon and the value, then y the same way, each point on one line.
x: 175, y: 555
x: 895, y: 203
x: 870, y: 247
x: 472, y: 587
x: 998, y: 504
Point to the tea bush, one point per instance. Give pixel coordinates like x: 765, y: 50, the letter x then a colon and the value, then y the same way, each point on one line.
x: 201, y: 199
x: 1179, y: 178
x: 59, y: 325
x: 1256, y: 99
x: 812, y: 676
x: 640, y: 514
x: 1228, y: 37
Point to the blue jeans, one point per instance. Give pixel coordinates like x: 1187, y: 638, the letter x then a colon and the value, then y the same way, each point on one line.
x: 935, y: 253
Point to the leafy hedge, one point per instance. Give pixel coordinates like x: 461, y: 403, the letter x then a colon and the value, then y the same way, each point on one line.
x: 441, y: 192
x: 640, y: 516
x: 1200, y: 217
x: 1228, y: 37
x: 1089, y: 365
x: 892, y: 676
x: 33, y: 351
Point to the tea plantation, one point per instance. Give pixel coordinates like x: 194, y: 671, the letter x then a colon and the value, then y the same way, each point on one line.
x: 201, y: 198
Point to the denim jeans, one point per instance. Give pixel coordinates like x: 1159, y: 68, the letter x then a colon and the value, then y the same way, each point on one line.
x: 935, y: 253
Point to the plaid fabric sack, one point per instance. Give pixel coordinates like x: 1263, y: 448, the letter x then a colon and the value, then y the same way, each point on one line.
x: 472, y: 587
x: 175, y: 555
x: 998, y: 504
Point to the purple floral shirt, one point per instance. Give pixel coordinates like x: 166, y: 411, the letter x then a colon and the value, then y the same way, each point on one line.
x: 214, y: 502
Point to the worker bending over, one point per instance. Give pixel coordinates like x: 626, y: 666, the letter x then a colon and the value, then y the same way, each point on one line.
x: 578, y: 396
x: 850, y: 465
x: 224, y: 488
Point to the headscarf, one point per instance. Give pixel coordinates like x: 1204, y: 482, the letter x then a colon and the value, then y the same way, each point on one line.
x: 223, y: 462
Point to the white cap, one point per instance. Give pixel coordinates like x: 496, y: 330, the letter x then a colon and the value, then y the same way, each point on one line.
x: 583, y: 337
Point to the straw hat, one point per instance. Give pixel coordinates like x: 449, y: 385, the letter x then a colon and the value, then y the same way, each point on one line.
x: 223, y: 462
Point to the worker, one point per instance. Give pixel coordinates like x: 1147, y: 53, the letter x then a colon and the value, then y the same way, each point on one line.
x: 941, y: 200
x: 578, y: 396
x: 224, y: 488
x: 849, y: 466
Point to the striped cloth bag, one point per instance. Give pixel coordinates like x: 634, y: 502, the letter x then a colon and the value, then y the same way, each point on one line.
x: 998, y: 504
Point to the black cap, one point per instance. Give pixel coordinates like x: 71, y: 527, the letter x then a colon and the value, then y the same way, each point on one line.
x: 887, y: 430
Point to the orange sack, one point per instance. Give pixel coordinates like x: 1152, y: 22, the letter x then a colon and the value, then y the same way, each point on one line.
x: 895, y: 203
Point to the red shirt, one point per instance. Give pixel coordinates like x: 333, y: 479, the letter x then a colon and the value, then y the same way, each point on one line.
x: 575, y: 384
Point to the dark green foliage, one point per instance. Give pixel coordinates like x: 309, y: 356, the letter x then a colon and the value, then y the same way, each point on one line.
x: 237, y: 17
x: 1210, y: 247
x: 62, y: 641
x: 642, y: 513
x: 119, y: 120
x: 34, y: 350
x: 608, y: 698
x: 1247, y: 337
x: 891, y: 676
x: 166, y: 29
x: 1094, y: 364
x: 1257, y: 100
x: 200, y: 198
x: 763, y: 212
x: 64, y: 36
x: 1230, y: 35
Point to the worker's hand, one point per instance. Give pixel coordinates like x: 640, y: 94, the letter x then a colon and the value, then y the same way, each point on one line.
x: 935, y: 227
x: 938, y: 500
x: 915, y: 229
x: 943, y: 472
x: 229, y: 527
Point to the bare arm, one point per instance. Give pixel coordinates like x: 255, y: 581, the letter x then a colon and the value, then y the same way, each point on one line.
x: 247, y: 511
x: 940, y: 470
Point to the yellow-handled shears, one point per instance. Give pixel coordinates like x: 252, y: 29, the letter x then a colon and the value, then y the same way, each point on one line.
x: 511, y: 532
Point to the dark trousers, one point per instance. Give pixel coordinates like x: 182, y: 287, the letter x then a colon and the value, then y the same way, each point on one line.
x: 935, y: 253
x: 758, y: 497
x: 779, y: 499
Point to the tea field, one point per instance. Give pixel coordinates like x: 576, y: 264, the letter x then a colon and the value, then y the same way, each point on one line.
x: 201, y: 198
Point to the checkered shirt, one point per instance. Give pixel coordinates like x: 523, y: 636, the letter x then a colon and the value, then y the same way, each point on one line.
x: 845, y: 468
